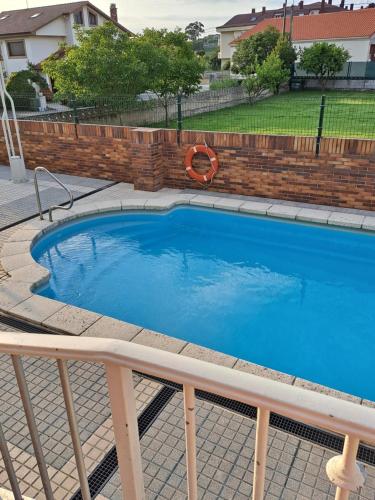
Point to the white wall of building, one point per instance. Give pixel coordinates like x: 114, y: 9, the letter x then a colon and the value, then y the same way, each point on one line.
x: 226, y: 37
x: 359, y: 49
x: 45, y: 42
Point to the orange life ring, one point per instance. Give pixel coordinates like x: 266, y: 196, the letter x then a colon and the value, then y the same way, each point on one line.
x: 201, y: 148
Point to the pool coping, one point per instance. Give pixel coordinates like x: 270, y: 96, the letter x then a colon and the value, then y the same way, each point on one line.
x: 17, y: 299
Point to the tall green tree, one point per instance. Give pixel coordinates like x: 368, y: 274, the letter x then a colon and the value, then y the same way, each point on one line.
x: 324, y: 60
x: 106, y: 62
x: 194, y: 30
x: 178, y: 71
x: 254, y: 50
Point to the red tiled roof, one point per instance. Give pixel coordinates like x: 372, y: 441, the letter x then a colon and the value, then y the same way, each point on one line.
x: 253, y: 18
x: 338, y: 25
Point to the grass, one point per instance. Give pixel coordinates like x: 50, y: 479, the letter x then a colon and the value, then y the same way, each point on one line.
x: 347, y: 114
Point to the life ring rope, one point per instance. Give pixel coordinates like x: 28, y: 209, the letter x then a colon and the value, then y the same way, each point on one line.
x: 193, y: 174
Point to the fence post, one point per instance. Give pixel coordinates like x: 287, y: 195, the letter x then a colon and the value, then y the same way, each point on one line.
x: 75, y: 114
x: 179, y: 118
x: 320, y: 125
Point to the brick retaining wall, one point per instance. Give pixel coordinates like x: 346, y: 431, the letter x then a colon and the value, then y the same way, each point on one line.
x: 269, y: 166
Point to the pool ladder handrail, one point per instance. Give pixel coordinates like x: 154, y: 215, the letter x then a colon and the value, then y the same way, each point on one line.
x: 37, y: 193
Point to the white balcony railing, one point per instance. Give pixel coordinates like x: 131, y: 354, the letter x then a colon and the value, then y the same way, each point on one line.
x: 355, y: 422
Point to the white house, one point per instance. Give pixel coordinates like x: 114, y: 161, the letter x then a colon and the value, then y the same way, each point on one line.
x: 31, y: 35
x: 352, y: 29
x: 242, y: 23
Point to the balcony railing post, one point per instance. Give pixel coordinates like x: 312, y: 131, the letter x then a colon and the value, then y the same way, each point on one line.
x: 190, y: 437
x: 344, y: 471
x: 125, y: 427
x: 260, y: 457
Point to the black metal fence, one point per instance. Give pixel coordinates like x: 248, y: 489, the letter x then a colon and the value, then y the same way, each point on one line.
x: 348, y: 114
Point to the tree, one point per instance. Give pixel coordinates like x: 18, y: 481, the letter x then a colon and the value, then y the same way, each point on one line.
x: 273, y: 73
x: 285, y: 50
x: 254, y: 50
x: 324, y: 60
x: 106, y: 62
x: 254, y: 87
x: 194, y: 30
x: 177, y: 69
x: 213, y: 61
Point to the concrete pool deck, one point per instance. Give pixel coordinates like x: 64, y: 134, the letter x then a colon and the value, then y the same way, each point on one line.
x: 295, y: 468
x: 23, y: 273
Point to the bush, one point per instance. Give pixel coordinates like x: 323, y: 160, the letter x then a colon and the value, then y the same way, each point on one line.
x: 226, y: 83
x: 226, y: 66
x: 18, y: 83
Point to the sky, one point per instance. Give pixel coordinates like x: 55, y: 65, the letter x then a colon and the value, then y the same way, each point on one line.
x: 139, y: 14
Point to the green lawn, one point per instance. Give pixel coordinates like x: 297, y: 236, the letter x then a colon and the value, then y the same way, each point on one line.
x: 347, y: 114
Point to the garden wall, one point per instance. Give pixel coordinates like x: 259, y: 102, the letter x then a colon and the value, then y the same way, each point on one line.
x: 280, y: 167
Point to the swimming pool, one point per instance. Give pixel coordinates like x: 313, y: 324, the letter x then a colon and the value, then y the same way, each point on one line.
x: 296, y: 298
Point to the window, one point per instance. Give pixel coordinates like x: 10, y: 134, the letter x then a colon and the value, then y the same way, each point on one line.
x: 35, y: 15
x: 78, y: 18
x: 16, y: 49
x: 278, y: 15
x: 93, y: 20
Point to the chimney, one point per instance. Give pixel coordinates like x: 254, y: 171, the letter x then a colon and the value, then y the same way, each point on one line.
x: 113, y: 12
x: 263, y: 10
x: 342, y: 4
x: 253, y: 11
x: 300, y: 5
x: 329, y: 2
x: 351, y: 6
x: 322, y: 5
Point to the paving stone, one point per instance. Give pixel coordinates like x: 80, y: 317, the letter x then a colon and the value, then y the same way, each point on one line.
x: 133, y: 203
x: 305, y: 384
x: 198, y: 352
x: 12, y: 294
x: 159, y: 341
x: 346, y: 219
x: 283, y: 211
x: 107, y: 327
x: 231, y: 204
x: 368, y: 223
x: 262, y: 371
x: 310, y: 215
x: 255, y: 207
x: 17, y: 261
x: 72, y: 320
x: 36, y: 309
x: 202, y: 200
x: 34, y: 274
x: 14, y: 248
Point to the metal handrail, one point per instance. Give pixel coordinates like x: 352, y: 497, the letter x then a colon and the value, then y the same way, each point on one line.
x: 120, y: 358
x: 37, y: 193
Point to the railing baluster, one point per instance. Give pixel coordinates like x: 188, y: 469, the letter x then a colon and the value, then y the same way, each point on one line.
x: 260, y: 457
x: 125, y: 426
x: 72, y: 420
x: 34, y: 435
x: 9, y: 466
x: 190, y: 437
x: 344, y: 471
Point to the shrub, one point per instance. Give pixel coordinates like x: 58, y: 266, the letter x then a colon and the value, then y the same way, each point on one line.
x: 226, y: 83
x: 18, y: 83
x: 226, y: 66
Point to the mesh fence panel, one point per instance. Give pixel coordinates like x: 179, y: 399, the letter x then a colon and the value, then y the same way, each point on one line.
x: 348, y: 114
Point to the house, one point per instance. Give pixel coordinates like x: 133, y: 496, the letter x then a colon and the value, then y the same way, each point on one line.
x: 31, y: 35
x: 354, y: 30
x: 241, y: 23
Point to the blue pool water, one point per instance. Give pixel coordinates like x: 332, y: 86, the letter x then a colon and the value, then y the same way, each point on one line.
x: 292, y: 297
